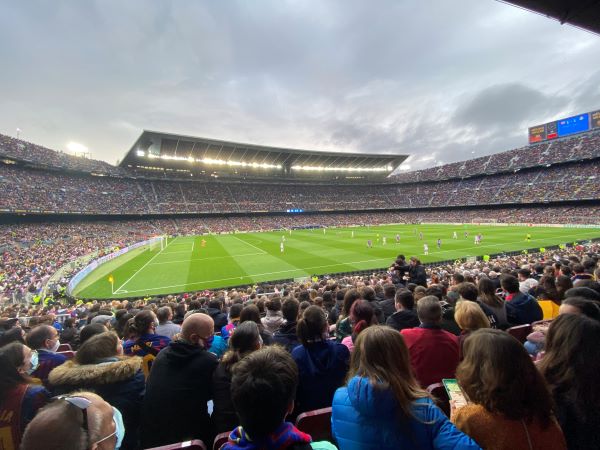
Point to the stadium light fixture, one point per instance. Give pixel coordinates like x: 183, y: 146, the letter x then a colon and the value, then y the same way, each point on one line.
x: 140, y: 153
x: 76, y: 148
x: 342, y: 169
x: 216, y: 162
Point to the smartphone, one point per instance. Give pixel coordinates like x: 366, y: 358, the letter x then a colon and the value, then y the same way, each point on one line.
x: 454, y: 391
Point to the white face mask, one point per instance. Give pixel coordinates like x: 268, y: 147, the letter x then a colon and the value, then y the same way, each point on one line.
x: 55, y: 346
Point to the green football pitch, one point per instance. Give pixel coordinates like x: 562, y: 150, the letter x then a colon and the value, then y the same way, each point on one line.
x: 187, y: 264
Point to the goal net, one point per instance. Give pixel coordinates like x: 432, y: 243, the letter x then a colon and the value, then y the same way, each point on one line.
x: 484, y: 220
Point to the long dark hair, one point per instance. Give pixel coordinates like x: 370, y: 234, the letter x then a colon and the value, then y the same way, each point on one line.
x: 241, y: 343
x: 498, y: 374
x: 141, y: 324
x: 571, y: 364
x: 312, y: 326
x: 487, y: 293
x: 11, y: 357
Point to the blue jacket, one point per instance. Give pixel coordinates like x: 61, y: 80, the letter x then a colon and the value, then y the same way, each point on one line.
x: 322, y: 367
x: 366, y: 418
x: 522, y: 309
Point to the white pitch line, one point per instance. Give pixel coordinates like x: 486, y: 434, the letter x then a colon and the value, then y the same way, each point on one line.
x: 248, y: 243
x: 306, y: 269
x: 140, y: 269
x: 207, y: 258
x: 193, y: 242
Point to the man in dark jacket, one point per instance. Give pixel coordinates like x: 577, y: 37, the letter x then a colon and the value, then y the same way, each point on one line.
x: 215, y: 311
x: 286, y: 334
x: 179, y: 386
x: 416, y: 272
x: 520, y: 308
x: 405, y: 315
x: 388, y: 304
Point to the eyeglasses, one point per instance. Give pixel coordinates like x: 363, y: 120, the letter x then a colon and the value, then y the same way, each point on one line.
x: 83, y: 404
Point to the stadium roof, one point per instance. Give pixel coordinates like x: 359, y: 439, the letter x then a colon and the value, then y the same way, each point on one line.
x: 155, y: 149
x: 583, y: 14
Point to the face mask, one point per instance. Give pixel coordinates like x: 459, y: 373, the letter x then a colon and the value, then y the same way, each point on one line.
x: 34, y: 363
x: 55, y: 346
x: 120, y: 433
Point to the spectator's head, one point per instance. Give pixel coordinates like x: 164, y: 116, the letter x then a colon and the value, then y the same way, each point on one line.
x: 381, y: 356
x: 198, y: 329
x: 368, y: 294
x: 470, y: 317
x: 245, y: 340
x: 43, y: 337
x: 563, y: 284
x: 17, y: 362
x: 215, y: 303
x: 91, y: 330
x: 362, y: 315
x: 350, y: 297
x: 16, y: 334
x: 234, y: 312
x: 523, y: 274
x: 429, y: 310
x: 98, y: 347
x: 467, y: 291
x: 79, y: 421
x: 290, y: 310
x: 164, y: 314
x: 509, y: 284
x: 498, y: 374
x: 252, y: 313
x: 144, y: 322
x: 267, y: 377
x: 312, y: 326
x: 273, y: 304
x: 584, y: 292
x: 457, y: 278
x: 404, y: 300
x: 580, y: 305
x: 571, y: 361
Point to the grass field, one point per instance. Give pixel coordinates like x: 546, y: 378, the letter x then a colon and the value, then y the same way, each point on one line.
x: 243, y: 258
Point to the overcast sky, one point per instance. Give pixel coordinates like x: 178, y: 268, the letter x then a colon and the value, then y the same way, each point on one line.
x: 436, y: 79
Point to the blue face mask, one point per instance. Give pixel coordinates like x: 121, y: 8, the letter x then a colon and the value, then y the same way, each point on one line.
x: 120, y: 432
x: 35, y: 363
x: 208, y: 342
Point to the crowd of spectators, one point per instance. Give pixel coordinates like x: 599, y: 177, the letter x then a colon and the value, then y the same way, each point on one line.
x: 371, y: 347
x: 576, y: 148
x: 35, y: 190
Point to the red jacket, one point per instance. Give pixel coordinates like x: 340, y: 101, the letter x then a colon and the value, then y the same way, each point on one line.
x: 434, y: 353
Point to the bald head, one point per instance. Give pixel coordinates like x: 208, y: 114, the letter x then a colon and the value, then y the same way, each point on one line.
x: 197, y: 325
x: 60, y: 426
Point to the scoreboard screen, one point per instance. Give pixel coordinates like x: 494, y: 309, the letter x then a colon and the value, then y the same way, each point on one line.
x: 595, y: 116
x: 537, y: 134
x: 564, y: 127
x: 572, y: 125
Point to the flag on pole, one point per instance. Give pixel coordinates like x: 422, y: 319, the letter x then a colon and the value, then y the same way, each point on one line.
x: 111, y: 279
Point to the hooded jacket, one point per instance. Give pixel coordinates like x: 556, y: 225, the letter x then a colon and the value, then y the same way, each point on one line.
x: 405, y: 318
x: 272, y: 321
x: 177, y: 390
x: 119, y: 381
x: 322, y: 367
x: 522, y: 309
x: 286, y: 336
x: 366, y: 418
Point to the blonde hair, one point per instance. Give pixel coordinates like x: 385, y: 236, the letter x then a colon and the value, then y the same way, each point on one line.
x: 469, y: 316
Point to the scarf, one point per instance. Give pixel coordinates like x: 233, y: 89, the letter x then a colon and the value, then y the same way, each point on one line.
x: 285, y: 436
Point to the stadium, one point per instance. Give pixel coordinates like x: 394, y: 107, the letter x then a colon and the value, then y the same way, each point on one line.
x: 271, y: 297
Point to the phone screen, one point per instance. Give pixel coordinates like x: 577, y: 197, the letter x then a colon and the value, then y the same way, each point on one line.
x: 454, y: 392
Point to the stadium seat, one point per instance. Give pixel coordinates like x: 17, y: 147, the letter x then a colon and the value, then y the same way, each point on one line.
x: 220, y: 440
x: 440, y: 397
x: 196, y: 444
x: 549, y: 308
x: 520, y: 332
x: 68, y: 354
x: 317, y: 423
x: 64, y: 348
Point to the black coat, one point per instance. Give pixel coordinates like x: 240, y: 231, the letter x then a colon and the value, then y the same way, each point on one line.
x: 218, y: 316
x: 417, y: 275
x: 177, y: 391
x: 223, y: 416
x: 403, y: 319
x: 286, y: 336
x: 388, y: 306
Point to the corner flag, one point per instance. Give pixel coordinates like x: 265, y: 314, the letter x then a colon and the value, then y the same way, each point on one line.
x: 111, y: 279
